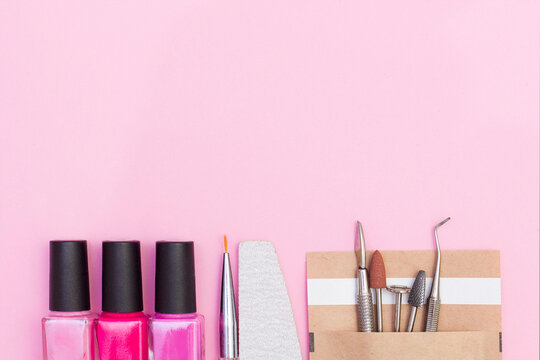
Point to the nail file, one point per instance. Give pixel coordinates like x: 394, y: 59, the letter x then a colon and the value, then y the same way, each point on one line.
x: 267, y: 327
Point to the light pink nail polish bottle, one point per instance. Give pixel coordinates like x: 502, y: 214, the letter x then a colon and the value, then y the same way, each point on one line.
x: 177, y: 331
x: 68, y: 331
x: 122, y: 327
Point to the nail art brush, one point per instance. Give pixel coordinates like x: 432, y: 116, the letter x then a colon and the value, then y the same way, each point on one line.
x: 363, y: 294
x: 434, y: 302
x: 228, y: 322
x: 377, y: 281
x: 417, y: 297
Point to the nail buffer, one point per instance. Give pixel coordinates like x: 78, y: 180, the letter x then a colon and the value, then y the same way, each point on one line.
x: 267, y: 327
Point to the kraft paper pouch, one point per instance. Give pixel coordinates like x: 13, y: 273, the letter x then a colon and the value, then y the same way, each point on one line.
x: 470, y: 313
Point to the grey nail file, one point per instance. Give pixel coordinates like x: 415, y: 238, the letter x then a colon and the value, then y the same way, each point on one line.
x: 267, y: 327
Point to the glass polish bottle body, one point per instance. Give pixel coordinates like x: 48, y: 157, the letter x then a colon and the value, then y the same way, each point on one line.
x: 122, y: 336
x: 68, y: 335
x: 177, y: 336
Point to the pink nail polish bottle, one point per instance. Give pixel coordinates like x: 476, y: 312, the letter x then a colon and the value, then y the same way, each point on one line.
x: 68, y: 331
x: 177, y: 331
x: 122, y: 327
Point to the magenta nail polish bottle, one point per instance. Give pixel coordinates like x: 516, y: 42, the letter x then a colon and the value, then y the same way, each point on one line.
x: 68, y: 331
x: 176, y: 330
x: 122, y: 327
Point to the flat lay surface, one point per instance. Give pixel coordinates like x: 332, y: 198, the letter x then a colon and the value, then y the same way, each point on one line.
x: 270, y: 120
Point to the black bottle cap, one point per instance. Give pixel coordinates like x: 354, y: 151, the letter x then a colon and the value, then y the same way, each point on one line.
x: 121, y: 277
x: 68, y: 276
x: 175, y: 278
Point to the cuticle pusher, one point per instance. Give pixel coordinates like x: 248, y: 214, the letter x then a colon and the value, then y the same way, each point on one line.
x: 434, y: 301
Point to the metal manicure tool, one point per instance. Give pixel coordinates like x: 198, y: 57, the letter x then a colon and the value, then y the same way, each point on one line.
x: 363, y: 294
x: 434, y: 301
x: 417, y: 297
x: 399, y: 291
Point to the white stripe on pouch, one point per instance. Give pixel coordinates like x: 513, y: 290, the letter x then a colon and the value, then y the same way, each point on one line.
x: 454, y: 291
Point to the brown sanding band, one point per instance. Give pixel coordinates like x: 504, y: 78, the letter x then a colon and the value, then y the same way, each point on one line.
x: 377, y: 272
x: 456, y: 317
x: 454, y: 263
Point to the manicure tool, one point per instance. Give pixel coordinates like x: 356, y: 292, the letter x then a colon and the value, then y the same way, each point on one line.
x: 398, y: 290
x: 377, y: 281
x: 228, y: 322
x: 417, y: 297
x: 363, y: 294
x: 434, y: 301
x: 267, y: 326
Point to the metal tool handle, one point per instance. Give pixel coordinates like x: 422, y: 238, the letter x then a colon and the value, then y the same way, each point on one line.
x: 364, y: 302
x: 433, y: 314
x: 378, y: 305
x: 365, y: 312
x: 412, y: 318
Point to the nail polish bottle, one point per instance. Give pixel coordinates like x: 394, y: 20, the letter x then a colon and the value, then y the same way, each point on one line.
x: 122, y: 327
x: 176, y: 330
x: 68, y: 331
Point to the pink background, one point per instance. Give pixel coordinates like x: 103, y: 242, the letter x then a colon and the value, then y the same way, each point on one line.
x: 267, y: 120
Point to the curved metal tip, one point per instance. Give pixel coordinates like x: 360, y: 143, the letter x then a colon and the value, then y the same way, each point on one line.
x: 436, y: 276
x: 435, y: 230
x: 360, y: 247
x: 442, y: 222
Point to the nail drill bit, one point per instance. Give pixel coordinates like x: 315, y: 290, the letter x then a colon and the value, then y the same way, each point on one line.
x: 377, y: 281
x: 363, y: 294
x: 434, y: 301
x: 399, y: 291
x: 228, y: 322
x: 417, y: 297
